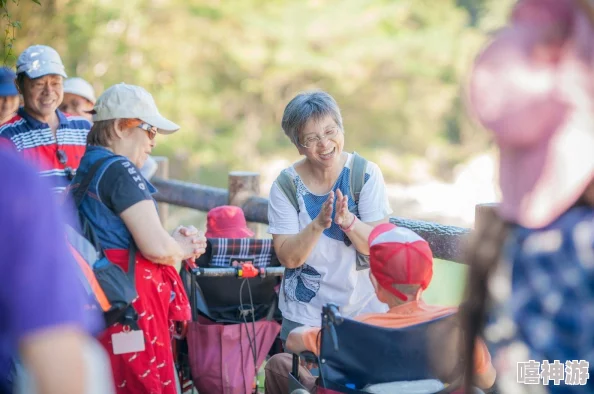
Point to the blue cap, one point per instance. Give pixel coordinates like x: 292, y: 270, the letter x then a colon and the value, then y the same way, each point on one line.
x: 7, y: 86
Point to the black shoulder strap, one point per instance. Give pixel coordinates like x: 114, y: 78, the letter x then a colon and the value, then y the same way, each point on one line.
x: 132, y: 261
x: 79, y: 196
x: 80, y: 193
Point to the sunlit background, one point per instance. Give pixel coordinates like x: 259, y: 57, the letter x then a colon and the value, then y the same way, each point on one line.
x: 224, y: 70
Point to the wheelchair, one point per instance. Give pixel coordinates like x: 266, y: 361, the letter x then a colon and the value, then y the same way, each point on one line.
x: 235, y: 318
x: 423, y: 358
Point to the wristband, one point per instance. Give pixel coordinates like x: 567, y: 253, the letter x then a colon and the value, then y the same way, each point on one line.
x: 350, y: 227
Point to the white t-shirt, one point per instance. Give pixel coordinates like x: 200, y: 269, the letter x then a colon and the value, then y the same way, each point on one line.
x: 329, y: 273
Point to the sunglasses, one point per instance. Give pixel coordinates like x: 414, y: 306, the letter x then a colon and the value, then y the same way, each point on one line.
x: 63, y: 159
x: 150, y: 130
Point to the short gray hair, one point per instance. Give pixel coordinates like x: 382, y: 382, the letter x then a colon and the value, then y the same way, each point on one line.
x: 305, y: 106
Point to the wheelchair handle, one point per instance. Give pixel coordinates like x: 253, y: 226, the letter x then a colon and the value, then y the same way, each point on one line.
x: 330, y: 317
x: 239, y: 272
x: 332, y: 311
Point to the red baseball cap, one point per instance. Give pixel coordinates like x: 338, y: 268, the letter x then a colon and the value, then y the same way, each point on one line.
x: 227, y: 221
x: 399, y: 256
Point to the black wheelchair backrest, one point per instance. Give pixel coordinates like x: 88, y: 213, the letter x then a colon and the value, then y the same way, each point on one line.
x: 370, y: 354
x: 219, y: 298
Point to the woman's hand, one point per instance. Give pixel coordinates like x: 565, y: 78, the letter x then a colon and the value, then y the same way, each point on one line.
x: 192, y: 241
x: 343, y: 217
x: 324, y: 218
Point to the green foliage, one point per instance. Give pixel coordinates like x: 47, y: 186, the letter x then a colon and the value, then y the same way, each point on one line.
x: 10, y: 28
x: 224, y: 70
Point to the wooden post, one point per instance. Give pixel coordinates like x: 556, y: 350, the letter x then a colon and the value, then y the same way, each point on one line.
x: 163, y: 173
x: 243, y: 185
x: 483, y: 212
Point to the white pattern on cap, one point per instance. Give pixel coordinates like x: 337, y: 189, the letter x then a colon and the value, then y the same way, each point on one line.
x: 398, y: 235
x: 39, y: 60
x: 80, y: 87
x: 123, y: 101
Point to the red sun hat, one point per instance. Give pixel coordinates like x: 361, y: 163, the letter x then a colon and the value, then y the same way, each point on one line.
x: 399, y: 256
x: 227, y: 221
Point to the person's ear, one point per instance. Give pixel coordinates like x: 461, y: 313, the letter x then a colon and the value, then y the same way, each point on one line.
x: 380, y: 292
x: 120, y: 133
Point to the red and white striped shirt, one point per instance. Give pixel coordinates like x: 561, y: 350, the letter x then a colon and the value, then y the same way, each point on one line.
x: 56, y: 157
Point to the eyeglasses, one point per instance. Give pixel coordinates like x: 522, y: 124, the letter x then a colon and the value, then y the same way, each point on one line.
x: 313, y: 140
x: 150, y: 130
x: 63, y: 159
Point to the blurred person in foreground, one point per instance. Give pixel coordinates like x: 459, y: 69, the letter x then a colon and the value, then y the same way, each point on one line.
x: 41, y: 133
x: 79, y: 99
x: 318, y: 243
x: 9, y: 95
x: 401, y: 269
x: 42, y: 303
x: 120, y: 207
x: 531, y: 284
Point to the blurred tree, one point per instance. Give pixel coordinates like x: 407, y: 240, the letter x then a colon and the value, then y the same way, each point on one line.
x: 10, y: 28
x: 225, y: 70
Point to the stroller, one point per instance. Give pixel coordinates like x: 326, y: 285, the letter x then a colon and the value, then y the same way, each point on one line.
x: 415, y: 359
x: 235, y: 323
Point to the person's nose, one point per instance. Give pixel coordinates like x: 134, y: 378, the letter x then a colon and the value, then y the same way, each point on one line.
x: 323, y: 141
x: 46, y: 89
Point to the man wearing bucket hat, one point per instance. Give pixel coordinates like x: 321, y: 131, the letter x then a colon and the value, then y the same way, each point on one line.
x: 401, y: 268
x: 42, y: 134
x: 119, y: 206
x: 9, y: 95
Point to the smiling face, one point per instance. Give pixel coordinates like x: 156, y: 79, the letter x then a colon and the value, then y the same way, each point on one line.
x: 42, y: 95
x: 321, y: 141
x: 134, y: 141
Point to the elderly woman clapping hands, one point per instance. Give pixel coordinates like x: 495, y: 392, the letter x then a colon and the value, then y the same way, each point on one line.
x: 321, y: 211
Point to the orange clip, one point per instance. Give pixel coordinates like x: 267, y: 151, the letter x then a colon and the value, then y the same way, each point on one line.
x: 248, y: 270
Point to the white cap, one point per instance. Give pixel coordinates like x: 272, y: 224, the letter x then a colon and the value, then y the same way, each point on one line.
x: 80, y: 87
x: 39, y: 60
x: 124, y: 101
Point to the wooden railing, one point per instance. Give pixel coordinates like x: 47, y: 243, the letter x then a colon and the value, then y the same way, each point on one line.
x: 447, y: 242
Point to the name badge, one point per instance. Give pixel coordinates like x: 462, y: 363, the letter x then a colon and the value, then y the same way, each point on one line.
x: 128, y: 342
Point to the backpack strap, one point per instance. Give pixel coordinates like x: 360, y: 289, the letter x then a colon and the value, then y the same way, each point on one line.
x: 287, y: 185
x: 79, y: 196
x: 80, y: 193
x: 132, y: 249
x: 357, y: 176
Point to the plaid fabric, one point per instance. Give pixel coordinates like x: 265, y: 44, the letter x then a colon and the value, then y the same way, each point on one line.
x: 225, y: 250
x: 548, y: 313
